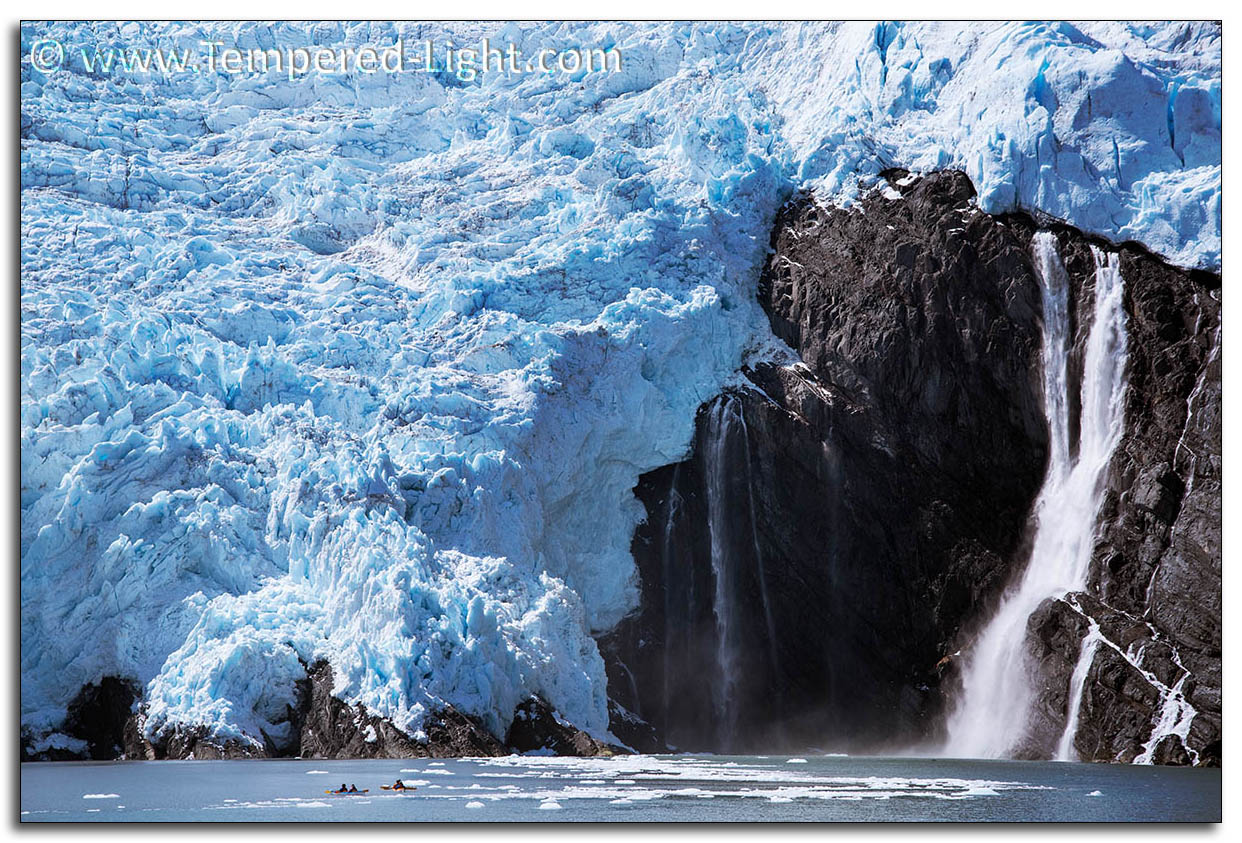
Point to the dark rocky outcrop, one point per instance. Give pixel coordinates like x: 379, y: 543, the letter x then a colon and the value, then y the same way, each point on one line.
x: 329, y: 728
x: 97, y: 716
x: 633, y: 732
x: 868, y: 504
x: 537, y: 728
x: 873, y: 496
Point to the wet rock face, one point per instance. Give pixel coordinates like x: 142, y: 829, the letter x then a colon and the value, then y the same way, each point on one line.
x: 868, y: 505
x: 874, y: 498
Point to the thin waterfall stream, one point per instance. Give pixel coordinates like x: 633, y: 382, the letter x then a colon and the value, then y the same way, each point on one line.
x: 734, y: 537
x: 722, y: 574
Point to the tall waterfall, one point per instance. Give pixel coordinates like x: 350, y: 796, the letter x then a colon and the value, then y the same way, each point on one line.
x: 723, y: 572
x: 736, y: 560
x: 992, y: 714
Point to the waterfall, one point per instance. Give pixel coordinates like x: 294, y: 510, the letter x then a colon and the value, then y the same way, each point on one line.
x: 992, y: 713
x: 1090, y: 643
x: 1176, y: 716
x: 760, y: 572
x: 671, y: 513
x: 723, y: 691
x: 736, y: 561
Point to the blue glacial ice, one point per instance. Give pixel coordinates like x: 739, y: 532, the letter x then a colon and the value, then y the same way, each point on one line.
x: 365, y: 367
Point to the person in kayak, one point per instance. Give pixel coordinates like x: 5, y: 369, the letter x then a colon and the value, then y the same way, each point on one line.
x: 400, y: 785
x: 343, y: 789
x: 353, y: 788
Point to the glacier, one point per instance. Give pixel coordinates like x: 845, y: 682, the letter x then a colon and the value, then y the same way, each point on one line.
x: 364, y: 367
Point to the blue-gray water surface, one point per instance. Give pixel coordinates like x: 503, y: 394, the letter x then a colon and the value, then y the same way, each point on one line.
x: 626, y: 789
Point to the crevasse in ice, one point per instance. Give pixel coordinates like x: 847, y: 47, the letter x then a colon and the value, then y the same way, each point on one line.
x: 364, y: 367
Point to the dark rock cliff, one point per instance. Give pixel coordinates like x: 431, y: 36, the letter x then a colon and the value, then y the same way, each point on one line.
x: 844, y: 526
x: 876, y: 492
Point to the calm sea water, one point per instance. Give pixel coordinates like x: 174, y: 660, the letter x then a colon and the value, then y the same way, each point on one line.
x: 629, y: 789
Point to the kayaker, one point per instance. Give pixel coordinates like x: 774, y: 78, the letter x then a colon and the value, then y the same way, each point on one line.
x: 353, y: 788
x: 400, y: 785
x: 343, y: 789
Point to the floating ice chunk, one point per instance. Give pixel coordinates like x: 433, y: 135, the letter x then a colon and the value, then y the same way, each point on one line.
x: 475, y: 805
x: 550, y: 805
x: 101, y: 796
x: 979, y: 791
x: 796, y: 761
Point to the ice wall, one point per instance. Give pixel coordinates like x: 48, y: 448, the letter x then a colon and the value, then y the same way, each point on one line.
x: 365, y: 367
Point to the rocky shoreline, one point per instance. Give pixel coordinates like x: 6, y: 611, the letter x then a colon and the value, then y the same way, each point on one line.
x: 110, y: 720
